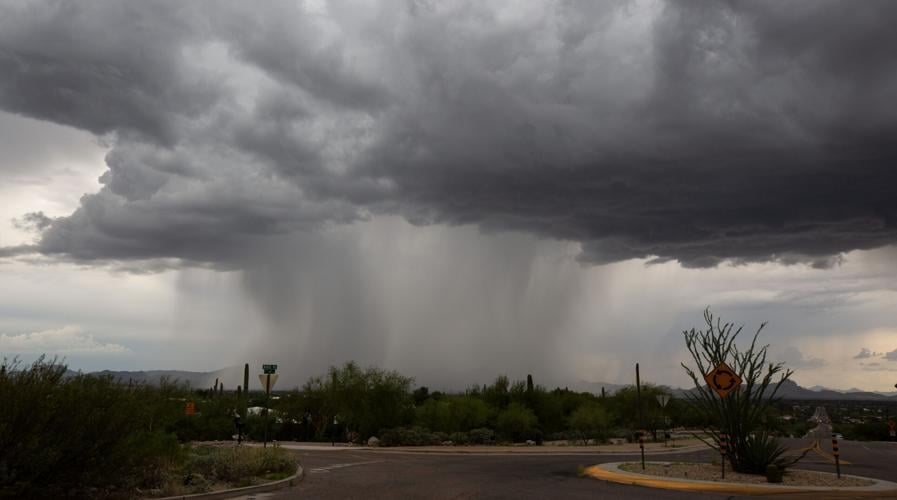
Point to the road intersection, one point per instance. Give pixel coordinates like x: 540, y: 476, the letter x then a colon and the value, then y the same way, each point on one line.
x: 382, y: 473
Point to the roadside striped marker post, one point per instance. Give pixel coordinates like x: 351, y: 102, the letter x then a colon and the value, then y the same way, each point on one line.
x: 837, y: 454
x: 723, y: 443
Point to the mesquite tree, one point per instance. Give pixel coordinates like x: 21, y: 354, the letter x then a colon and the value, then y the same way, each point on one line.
x: 739, y: 414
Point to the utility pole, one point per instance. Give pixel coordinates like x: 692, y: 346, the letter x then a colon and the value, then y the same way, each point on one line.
x: 641, y: 421
x: 638, y: 396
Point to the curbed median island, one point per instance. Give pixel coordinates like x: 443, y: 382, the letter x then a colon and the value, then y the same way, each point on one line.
x: 705, y: 477
x: 710, y: 472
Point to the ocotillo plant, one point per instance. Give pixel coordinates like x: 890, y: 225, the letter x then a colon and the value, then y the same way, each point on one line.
x: 738, y: 415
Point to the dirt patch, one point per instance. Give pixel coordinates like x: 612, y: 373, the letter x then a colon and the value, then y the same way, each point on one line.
x: 709, y: 472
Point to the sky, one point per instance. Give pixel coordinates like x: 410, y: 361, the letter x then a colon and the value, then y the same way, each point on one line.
x: 453, y: 190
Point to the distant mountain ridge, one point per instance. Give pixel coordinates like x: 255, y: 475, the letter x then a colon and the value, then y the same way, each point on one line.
x: 819, y: 388
x: 790, y: 390
x: 196, y: 380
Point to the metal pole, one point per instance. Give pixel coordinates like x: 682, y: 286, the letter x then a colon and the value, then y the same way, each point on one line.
x: 641, y: 444
x: 641, y: 421
x: 722, y: 452
x: 663, y: 413
x: 836, y: 454
x: 638, y: 397
x: 267, y: 395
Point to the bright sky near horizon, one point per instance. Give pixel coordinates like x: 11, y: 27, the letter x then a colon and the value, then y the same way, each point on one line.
x: 450, y: 191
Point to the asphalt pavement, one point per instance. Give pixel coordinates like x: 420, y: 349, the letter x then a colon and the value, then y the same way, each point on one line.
x: 374, y: 474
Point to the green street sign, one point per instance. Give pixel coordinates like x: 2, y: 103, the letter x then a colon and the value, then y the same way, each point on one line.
x: 269, y: 368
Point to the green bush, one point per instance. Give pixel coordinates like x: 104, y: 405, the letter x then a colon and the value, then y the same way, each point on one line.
x: 231, y: 464
x: 590, y: 421
x: 409, y: 436
x: 453, y: 414
x: 482, y: 436
x: 865, y: 431
x: 68, y: 435
x: 459, y: 438
x: 518, y: 423
x: 363, y: 400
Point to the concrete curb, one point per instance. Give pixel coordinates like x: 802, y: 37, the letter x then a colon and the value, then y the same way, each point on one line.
x: 612, y: 472
x: 528, y: 451
x: 234, y: 492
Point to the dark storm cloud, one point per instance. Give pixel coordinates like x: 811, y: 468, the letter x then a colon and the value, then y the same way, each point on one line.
x: 866, y: 353
x: 698, y: 132
x: 103, y: 67
x: 33, y: 221
x: 17, y: 250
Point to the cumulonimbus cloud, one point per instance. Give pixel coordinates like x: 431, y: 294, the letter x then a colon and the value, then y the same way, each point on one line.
x: 669, y: 130
x: 69, y: 339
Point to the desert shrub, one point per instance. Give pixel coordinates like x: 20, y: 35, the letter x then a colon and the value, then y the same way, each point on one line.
x: 233, y: 464
x: 762, y: 450
x: 64, y: 435
x: 866, y: 431
x: 620, y: 432
x: 517, y: 423
x: 459, y: 438
x: 453, y: 413
x: 482, y: 435
x: 364, y: 400
x: 409, y: 436
x: 590, y: 421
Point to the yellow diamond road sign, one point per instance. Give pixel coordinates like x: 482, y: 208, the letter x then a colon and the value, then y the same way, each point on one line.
x: 723, y: 380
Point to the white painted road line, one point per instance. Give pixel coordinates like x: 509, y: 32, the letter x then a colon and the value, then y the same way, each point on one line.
x: 328, y: 468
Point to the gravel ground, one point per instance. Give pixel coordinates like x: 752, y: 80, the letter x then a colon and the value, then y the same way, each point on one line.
x: 709, y: 472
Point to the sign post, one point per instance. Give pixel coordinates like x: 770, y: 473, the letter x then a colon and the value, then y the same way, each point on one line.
x: 662, y: 400
x: 641, y: 444
x: 268, y: 379
x: 724, y: 381
x: 641, y: 421
x: 723, y: 444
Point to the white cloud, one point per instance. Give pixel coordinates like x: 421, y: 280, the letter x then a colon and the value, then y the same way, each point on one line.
x: 795, y: 359
x: 66, y: 340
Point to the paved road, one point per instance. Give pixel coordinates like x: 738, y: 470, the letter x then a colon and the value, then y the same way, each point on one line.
x: 350, y: 473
